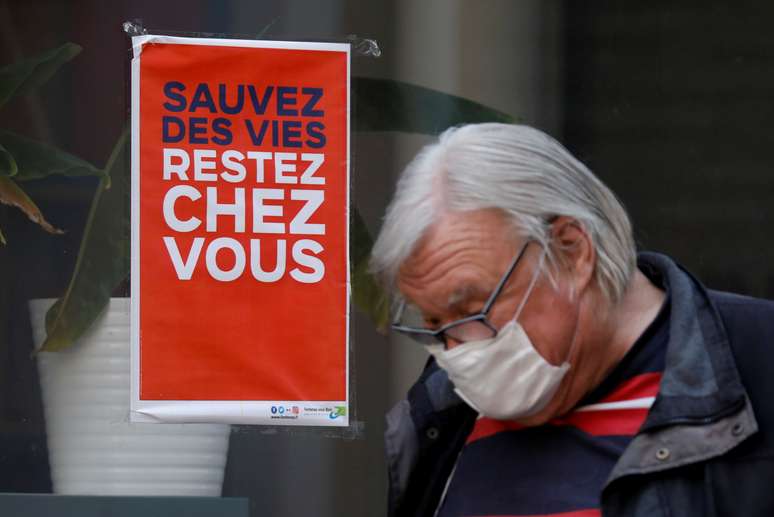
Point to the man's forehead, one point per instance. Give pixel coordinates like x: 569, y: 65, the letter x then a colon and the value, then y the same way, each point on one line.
x: 456, y: 300
x: 474, y: 224
x: 452, y: 290
x: 460, y: 258
x: 477, y: 236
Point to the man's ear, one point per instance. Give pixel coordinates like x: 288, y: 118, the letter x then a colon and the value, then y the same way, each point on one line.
x: 575, y: 250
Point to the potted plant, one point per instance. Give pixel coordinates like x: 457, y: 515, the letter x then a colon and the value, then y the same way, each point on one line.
x: 83, y: 337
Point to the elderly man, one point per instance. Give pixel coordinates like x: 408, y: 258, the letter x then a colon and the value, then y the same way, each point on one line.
x: 568, y: 375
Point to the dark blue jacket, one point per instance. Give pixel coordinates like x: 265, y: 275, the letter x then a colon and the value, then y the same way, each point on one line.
x: 705, y: 449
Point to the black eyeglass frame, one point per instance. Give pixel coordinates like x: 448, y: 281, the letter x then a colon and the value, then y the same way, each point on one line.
x: 428, y: 336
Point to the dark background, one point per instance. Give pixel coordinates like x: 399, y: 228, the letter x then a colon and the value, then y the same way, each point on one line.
x: 668, y: 102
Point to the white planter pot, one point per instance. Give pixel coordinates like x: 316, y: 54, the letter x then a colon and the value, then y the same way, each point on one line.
x: 93, y: 448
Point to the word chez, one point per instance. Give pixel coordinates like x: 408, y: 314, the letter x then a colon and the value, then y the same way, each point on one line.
x: 200, y: 165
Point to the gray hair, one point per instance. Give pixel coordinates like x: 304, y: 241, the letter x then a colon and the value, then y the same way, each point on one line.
x: 523, y: 172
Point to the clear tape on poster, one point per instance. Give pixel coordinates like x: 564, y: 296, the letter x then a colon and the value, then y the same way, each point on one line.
x: 361, y: 47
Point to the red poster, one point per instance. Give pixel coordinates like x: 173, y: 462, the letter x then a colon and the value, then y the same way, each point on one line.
x: 240, y: 193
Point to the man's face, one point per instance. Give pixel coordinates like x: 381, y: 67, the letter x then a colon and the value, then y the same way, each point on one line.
x: 457, y: 265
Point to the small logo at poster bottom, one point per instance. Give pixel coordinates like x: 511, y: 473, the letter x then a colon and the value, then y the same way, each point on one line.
x: 337, y: 412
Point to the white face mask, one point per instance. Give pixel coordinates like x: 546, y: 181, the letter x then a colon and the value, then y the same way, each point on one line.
x: 503, y: 377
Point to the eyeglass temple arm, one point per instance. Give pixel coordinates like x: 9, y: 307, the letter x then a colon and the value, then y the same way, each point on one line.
x: 503, y: 280
x: 399, y: 312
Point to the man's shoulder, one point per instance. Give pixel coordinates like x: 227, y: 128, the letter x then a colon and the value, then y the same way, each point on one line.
x: 735, y: 301
x: 746, y: 319
x: 749, y: 324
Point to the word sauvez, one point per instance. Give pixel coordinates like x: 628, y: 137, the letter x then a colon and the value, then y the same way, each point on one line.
x: 286, y: 102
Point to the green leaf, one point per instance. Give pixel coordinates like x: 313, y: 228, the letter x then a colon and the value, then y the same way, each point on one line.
x: 8, y: 166
x: 387, y: 105
x: 35, y: 160
x: 13, y: 195
x: 25, y: 76
x: 367, y: 294
x: 103, y: 258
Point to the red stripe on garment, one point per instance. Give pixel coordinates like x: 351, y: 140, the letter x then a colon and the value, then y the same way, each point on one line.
x: 612, y: 422
x: 577, y: 513
x: 639, y: 386
x: 618, y: 422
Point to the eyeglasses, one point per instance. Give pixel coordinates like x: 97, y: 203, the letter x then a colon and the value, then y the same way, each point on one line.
x: 469, y: 328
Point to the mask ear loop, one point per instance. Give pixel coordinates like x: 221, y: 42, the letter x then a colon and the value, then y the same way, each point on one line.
x: 574, y: 342
x: 532, y: 283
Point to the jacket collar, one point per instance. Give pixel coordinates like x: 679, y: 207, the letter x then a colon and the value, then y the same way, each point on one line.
x: 700, y: 382
x: 702, y: 410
